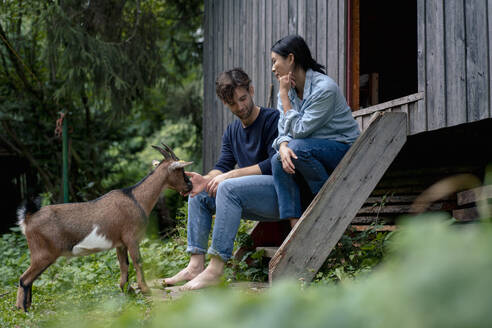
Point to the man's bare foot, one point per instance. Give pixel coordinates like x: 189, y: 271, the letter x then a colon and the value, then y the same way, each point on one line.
x: 194, y: 268
x: 209, y: 277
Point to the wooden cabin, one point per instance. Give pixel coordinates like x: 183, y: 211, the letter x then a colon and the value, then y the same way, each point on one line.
x: 428, y: 59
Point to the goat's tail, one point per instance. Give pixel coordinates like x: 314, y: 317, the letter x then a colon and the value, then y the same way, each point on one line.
x: 24, y: 212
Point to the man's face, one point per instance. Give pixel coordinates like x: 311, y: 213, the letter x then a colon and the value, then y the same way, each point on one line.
x: 242, y: 104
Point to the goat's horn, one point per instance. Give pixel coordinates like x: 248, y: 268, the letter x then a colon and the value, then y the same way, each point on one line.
x: 163, y: 152
x: 173, y: 155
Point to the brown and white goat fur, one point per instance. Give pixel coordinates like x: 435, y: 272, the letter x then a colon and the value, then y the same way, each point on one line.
x: 117, y: 219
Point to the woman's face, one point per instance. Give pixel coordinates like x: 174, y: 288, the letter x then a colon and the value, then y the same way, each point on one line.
x: 282, y: 65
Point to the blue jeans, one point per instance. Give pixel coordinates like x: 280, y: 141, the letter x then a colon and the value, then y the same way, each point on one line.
x: 250, y: 197
x: 316, y: 160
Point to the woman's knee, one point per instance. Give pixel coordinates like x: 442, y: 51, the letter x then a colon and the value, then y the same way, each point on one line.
x: 276, y: 163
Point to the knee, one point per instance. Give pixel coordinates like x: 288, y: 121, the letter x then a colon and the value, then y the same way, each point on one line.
x: 276, y: 163
x: 227, y: 188
x: 297, y: 145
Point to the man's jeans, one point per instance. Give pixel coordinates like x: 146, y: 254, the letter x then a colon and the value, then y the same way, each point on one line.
x: 316, y: 160
x: 250, y: 197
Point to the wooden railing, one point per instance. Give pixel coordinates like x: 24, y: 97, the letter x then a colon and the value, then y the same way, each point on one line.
x: 407, y: 104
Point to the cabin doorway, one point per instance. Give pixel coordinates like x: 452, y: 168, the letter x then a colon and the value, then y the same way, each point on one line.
x: 382, y: 42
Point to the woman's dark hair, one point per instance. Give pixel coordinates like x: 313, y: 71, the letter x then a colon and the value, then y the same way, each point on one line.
x: 228, y: 81
x: 294, y: 44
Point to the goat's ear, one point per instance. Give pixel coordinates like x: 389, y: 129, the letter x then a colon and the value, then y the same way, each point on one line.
x: 155, y: 163
x: 178, y: 165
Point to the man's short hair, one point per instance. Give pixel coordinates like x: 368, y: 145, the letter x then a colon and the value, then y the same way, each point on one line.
x: 228, y: 81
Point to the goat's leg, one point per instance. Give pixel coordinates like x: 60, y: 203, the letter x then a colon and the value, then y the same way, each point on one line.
x: 134, y: 251
x: 122, y: 253
x: 24, y: 292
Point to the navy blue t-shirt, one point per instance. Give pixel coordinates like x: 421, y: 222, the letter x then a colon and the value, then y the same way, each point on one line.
x: 250, y: 145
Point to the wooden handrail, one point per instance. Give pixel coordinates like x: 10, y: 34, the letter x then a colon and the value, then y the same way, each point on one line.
x: 389, y: 104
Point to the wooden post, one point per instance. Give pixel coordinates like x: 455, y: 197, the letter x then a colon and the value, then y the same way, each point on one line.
x: 310, y: 242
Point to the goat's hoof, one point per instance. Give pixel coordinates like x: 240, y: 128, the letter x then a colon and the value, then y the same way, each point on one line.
x: 144, y: 289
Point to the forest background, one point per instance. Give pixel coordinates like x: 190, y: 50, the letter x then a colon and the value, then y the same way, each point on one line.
x: 128, y: 73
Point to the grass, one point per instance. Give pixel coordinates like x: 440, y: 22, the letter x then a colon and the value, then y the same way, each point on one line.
x: 89, y: 284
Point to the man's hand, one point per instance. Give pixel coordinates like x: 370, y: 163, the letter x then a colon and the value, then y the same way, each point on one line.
x: 213, y: 184
x: 286, y: 154
x: 199, y: 183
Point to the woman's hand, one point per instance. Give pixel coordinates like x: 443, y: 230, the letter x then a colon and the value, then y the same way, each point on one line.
x: 286, y: 82
x: 286, y: 154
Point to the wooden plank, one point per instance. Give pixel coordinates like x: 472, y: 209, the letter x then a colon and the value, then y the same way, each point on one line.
x: 342, y: 36
x: 207, y: 71
x: 489, y: 24
x: 369, y: 227
x: 237, y: 33
x: 261, y: 85
x: 418, y: 121
x: 220, y: 67
x: 474, y: 195
x: 311, y: 32
x: 454, y: 15
x: 310, y: 242
x: 399, y: 209
x: 302, y: 19
x: 268, y: 45
x: 284, y: 18
x: 466, y: 214
x: 242, y: 34
x: 254, y: 64
x: 436, y: 96
x: 476, y: 60
x: 389, y: 104
x: 355, y: 54
x: 293, y: 16
x: 321, y: 36
x: 332, y: 40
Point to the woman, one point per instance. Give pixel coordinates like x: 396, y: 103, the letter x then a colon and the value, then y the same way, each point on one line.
x: 316, y: 127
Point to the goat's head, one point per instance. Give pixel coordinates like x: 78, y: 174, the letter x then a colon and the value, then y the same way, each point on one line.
x: 177, y: 179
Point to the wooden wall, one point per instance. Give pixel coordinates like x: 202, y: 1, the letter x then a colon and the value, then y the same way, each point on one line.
x: 455, y: 62
x: 454, y: 57
x: 240, y: 33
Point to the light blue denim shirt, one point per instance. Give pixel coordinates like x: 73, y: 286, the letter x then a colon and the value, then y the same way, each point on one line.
x: 323, y: 113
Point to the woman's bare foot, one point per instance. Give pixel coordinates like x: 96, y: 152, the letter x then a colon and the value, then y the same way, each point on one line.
x: 209, y: 277
x: 194, y: 268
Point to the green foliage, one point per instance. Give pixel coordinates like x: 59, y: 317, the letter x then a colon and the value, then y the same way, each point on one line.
x: 119, y: 68
x: 437, y: 275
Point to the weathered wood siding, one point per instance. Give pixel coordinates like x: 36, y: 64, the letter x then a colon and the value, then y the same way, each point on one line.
x: 240, y: 33
x: 453, y: 54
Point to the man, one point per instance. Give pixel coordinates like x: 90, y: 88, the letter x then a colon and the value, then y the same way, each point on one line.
x: 246, y: 191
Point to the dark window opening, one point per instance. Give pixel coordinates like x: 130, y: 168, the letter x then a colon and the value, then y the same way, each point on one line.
x: 387, y: 67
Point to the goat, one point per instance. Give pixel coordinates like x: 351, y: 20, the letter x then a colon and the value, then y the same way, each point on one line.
x: 116, y: 219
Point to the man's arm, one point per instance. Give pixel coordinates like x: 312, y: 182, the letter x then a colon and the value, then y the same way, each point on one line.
x: 200, y: 181
x: 213, y: 184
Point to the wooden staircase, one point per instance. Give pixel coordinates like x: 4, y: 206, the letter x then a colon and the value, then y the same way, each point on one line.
x: 305, y: 248
x: 321, y: 226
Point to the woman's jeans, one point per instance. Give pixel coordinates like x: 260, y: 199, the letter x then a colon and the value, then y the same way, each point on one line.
x: 250, y: 197
x: 316, y: 160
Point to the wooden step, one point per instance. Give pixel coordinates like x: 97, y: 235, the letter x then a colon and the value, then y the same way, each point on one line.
x: 321, y: 226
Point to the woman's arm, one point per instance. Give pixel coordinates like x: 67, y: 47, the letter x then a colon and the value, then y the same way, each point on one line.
x: 316, y: 111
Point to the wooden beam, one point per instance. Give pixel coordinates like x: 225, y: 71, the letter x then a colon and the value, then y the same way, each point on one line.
x: 389, y: 104
x: 466, y: 214
x: 474, y: 195
x: 310, y: 242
